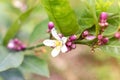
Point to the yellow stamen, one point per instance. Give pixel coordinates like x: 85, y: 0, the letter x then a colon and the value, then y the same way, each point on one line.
x: 58, y: 43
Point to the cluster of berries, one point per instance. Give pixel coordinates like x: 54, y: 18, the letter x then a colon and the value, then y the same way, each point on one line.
x: 16, y: 45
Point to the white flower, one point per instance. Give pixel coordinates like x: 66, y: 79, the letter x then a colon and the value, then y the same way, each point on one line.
x: 58, y: 44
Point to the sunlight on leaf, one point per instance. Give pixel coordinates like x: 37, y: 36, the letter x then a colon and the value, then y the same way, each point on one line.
x: 61, y: 13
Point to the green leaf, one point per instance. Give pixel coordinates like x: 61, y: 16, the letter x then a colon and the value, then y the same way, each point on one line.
x: 12, y: 74
x: 114, y: 7
x: 16, y: 26
x: 61, y: 13
x: 9, y: 59
x: 112, y: 48
x: 113, y: 25
x: 39, y: 32
x: 86, y: 14
x: 35, y: 65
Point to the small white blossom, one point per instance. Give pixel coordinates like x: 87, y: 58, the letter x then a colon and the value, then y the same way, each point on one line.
x: 58, y: 44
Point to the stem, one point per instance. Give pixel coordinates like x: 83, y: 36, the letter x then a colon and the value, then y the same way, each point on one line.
x: 33, y: 47
x: 97, y: 29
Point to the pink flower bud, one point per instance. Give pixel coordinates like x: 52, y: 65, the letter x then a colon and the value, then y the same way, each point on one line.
x: 16, y: 45
x: 68, y: 49
x: 102, y: 24
x: 85, y: 33
x: 50, y: 25
x: 69, y: 43
x: 73, y: 37
x: 106, y: 24
x: 117, y: 35
x: 105, y: 40
x: 10, y: 44
x: 73, y: 46
x: 103, y: 16
x: 100, y: 37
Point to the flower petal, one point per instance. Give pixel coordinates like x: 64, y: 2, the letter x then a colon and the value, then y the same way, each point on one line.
x: 64, y: 39
x: 55, y: 51
x: 54, y: 34
x: 64, y: 48
x: 49, y: 42
x: 90, y: 37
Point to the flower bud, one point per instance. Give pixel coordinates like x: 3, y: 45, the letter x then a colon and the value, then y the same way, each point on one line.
x: 106, y: 24
x: 117, y: 35
x: 10, y: 44
x: 50, y: 25
x: 69, y: 43
x: 102, y: 24
x: 100, y: 43
x: 100, y: 37
x: 16, y: 45
x: 68, y: 49
x: 103, y: 16
x: 73, y: 46
x: 105, y: 40
x: 85, y: 33
x: 73, y: 37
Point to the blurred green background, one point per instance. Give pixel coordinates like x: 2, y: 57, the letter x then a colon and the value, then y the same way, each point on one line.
x: 79, y: 64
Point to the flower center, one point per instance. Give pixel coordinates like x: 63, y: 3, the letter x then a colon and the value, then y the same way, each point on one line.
x: 58, y: 43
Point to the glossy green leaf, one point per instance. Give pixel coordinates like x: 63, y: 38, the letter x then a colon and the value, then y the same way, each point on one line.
x: 35, y: 65
x: 39, y: 32
x: 16, y: 26
x: 12, y: 74
x: 61, y: 13
x: 112, y: 48
x: 9, y: 59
